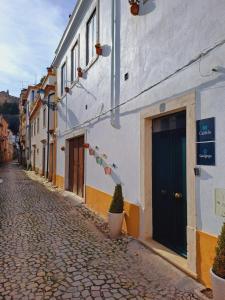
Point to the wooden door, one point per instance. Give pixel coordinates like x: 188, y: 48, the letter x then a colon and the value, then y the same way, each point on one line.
x: 76, y: 166
x: 169, y: 182
x: 34, y: 159
x: 50, y: 174
x: 43, y: 161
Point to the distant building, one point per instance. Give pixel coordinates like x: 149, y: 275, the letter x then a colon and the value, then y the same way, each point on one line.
x: 6, y: 141
x: 5, y: 97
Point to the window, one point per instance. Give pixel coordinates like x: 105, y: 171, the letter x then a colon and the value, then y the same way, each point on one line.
x: 34, y: 127
x: 63, y: 78
x: 38, y: 125
x: 91, y: 37
x: 74, y: 61
x: 44, y: 117
x: 32, y: 95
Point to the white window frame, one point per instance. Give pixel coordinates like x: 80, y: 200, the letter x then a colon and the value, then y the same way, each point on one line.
x: 63, y: 78
x: 91, y: 36
x: 75, y: 60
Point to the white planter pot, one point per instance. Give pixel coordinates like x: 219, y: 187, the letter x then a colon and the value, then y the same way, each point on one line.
x: 115, y: 224
x: 218, y: 286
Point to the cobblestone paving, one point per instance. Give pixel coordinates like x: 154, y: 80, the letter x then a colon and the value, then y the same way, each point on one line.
x: 50, y: 250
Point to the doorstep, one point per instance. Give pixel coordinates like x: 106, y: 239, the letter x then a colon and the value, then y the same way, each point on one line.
x: 169, y: 255
x: 72, y: 196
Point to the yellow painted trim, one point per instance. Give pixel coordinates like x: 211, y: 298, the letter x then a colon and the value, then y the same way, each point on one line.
x: 60, y: 181
x: 206, y: 245
x: 99, y: 202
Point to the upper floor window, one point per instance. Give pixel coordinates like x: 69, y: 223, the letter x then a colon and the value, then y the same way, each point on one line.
x: 34, y: 127
x: 32, y: 95
x: 44, y: 117
x: 74, y: 61
x: 91, y: 37
x: 38, y: 125
x: 63, y: 78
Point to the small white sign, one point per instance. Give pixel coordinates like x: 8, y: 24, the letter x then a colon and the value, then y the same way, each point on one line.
x: 220, y: 202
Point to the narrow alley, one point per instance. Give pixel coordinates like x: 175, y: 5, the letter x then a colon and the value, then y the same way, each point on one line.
x: 50, y: 251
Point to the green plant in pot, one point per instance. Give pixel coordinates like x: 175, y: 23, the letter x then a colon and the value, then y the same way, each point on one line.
x: 115, y: 215
x: 218, y: 269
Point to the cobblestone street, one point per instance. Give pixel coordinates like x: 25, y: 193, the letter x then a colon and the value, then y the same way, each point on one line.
x: 49, y: 250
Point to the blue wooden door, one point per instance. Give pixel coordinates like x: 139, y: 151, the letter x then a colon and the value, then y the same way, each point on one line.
x: 169, y: 182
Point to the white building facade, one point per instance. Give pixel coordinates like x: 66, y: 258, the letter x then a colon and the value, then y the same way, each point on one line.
x: 151, y: 108
x: 42, y: 144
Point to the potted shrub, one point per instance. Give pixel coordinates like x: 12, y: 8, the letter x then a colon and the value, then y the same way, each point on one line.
x: 218, y: 269
x: 115, y: 215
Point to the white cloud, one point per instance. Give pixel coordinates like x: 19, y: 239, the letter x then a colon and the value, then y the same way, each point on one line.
x: 29, y: 34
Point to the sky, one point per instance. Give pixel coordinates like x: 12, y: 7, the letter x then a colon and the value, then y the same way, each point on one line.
x: 30, y: 31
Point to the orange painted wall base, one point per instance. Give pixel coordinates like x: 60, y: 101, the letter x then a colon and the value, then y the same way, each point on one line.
x: 205, y: 255
x: 99, y: 202
x: 60, y: 181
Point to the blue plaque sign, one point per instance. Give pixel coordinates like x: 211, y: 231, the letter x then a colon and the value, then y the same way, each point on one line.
x: 206, y: 130
x: 206, y: 154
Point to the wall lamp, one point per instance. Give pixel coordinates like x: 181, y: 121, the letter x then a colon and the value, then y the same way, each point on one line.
x: 51, y: 105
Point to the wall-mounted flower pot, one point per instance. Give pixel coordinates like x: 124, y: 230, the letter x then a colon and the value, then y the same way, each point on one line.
x: 79, y: 72
x: 91, y: 151
x: 134, y: 9
x: 86, y: 146
x: 98, y: 49
x: 108, y: 171
x: 63, y: 148
x: 67, y: 89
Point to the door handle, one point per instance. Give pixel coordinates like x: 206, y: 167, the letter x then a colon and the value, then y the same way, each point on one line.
x: 178, y: 195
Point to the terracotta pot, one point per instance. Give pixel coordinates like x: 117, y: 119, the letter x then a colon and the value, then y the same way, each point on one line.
x: 79, y: 72
x: 98, y: 49
x: 67, y: 89
x: 115, y: 224
x: 86, y: 146
x: 134, y: 9
x: 218, y: 286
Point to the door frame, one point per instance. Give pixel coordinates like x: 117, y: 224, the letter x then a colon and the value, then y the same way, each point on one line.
x: 169, y: 106
x: 67, y: 162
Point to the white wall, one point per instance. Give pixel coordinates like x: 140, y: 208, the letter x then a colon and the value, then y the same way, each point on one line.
x: 164, y: 37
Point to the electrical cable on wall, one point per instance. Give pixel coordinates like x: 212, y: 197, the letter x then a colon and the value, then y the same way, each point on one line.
x: 191, y: 62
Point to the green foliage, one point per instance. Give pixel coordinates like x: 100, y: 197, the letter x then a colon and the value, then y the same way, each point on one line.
x: 117, y: 200
x: 219, y: 261
x: 9, y: 108
x: 10, y: 112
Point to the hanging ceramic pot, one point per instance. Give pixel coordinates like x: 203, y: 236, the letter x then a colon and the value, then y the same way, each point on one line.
x: 108, y: 171
x: 99, y: 160
x: 91, y: 151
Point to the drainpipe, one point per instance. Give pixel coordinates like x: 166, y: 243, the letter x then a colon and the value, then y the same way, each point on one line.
x: 113, y: 23
x: 48, y: 134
